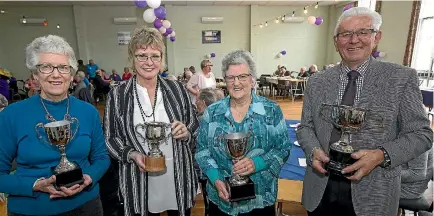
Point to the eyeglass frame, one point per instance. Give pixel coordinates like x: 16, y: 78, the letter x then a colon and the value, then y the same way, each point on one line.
x: 147, y: 58
x: 351, y: 33
x: 238, y: 76
x: 54, y: 67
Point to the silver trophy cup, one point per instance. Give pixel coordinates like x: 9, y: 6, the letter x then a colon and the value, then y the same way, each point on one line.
x: 237, y: 145
x: 156, y: 134
x: 59, y: 135
x: 349, y: 120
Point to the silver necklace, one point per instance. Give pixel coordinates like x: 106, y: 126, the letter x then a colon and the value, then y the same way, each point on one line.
x: 50, y: 117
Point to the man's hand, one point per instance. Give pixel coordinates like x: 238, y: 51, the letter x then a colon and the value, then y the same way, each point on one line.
x: 319, y: 158
x: 367, y: 160
x: 222, y: 191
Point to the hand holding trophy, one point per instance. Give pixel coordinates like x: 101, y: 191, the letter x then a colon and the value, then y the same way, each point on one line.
x: 59, y: 135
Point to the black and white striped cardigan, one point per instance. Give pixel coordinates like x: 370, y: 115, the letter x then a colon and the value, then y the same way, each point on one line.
x: 121, y: 140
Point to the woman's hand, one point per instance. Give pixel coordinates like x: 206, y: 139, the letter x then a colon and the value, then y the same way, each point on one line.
x: 222, y: 191
x: 46, y: 186
x: 179, y: 130
x: 244, y: 167
x: 139, y: 159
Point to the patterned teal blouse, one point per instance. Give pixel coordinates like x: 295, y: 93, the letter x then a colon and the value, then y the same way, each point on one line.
x: 269, y: 152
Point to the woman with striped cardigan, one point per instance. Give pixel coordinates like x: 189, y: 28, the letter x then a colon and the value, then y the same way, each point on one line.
x: 146, y: 98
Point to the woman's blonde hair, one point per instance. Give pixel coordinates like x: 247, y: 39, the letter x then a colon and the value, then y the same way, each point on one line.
x: 144, y: 37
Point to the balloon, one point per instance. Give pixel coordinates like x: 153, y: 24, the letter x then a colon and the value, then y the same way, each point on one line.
x: 382, y: 54
x: 279, y: 55
x: 162, y: 30
x: 140, y: 3
x: 319, y: 20
x: 158, y: 23
x: 172, y: 38
x: 173, y: 34
x: 160, y: 12
x: 154, y: 3
x: 166, y: 24
x: 169, y: 30
x: 348, y: 7
x: 212, y: 55
x: 208, y: 56
x: 149, y: 16
x: 376, y: 54
x: 283, y: 52
x: 311, y: 20
x: 165, y: 34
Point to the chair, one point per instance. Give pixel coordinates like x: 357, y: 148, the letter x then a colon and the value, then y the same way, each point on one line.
x: 19, y: 92
x: 262, y: 85
x: 414, y: 205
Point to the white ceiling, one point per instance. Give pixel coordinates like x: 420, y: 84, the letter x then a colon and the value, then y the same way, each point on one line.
x: 175, y: 2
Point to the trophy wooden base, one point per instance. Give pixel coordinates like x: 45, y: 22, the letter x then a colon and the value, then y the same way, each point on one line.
x: 241, y: 192
x: 69, y: 178
x: 153, y: 164
x: 338, y: 161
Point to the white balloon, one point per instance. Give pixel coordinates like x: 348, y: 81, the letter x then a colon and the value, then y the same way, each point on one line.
x: 208, y: 56
x: 154, y: 3
x: 311, y: 19
x: 149, y: 15
x: 162, y: 30
x: 173, y: 34
x: 279, y: 55
x: 382, y: 54
x: 166, y: 24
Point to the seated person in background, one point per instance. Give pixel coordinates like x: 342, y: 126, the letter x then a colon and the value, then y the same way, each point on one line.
x: 206, y: 97
x: 219, y: 94
x: 277, y: 72
x: 312, y: 69
x: 303, y: 73
x: 101, y: 86
x: 415, y: 176
x: 115, y: 76
x: 127, y: 75
x: 79, y: 84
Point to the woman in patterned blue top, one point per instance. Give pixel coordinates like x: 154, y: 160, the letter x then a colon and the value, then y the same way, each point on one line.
x: 242, y: 111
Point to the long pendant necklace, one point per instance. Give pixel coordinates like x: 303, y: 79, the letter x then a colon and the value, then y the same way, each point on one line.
x: 50, y: 117
x: 153, y: 106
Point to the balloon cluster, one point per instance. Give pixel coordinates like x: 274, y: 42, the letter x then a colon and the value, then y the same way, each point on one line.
x: 379, y: 54
x: 281, y: 53
x: 315, y: 20
x: 211, y: 55
x: 156, y: 14
x: 348, y: 7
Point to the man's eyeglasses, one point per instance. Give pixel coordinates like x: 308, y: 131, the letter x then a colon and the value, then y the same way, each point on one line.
x: 143, y: 58
x: 241, y: 78
x: 48, y: 68
x: 361, y: 34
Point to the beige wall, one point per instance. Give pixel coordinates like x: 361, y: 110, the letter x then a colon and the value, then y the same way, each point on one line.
x: 396, y: 22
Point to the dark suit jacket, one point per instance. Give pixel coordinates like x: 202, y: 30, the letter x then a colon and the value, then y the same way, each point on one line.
x: 397, y: 121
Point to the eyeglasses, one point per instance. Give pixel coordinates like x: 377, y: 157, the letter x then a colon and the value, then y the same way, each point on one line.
x: 361, y: 34
x: 209, y: 65
x: 241, y: 78
x: 143, y: 58
x: 48, y: 68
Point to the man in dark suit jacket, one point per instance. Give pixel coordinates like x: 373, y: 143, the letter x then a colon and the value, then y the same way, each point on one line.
x: 396, y: 128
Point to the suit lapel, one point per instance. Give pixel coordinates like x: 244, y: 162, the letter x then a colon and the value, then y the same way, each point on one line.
x: 129, y: 115
x: 331, y: 92
x: 370, y: 88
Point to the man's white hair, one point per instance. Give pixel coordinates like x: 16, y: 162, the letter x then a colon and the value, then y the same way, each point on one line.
x: 361, y: 11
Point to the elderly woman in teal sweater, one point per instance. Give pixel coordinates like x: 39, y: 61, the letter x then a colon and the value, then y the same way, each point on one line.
x: 31, y: 188
x: 242, y: 111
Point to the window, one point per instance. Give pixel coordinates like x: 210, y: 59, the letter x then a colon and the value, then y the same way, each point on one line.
x: 424, y: 44
x: 367, y: 3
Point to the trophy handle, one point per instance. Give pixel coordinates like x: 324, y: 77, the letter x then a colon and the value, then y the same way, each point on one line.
x: 144, y: 127
x: 73, y: 119
x: 327, y: 118
x: 41, y: 125
x: 167, y: 136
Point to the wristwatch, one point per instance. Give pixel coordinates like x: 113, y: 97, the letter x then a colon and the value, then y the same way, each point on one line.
x: 387, y: 162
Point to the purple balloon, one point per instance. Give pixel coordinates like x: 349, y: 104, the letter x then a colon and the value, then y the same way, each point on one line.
x: 158, y: 24
x: 172, y: 38
x: 141, y: 3
x: 165, y: 34
x: 212, y: 55
x: 283, y: 52
x: 319, y: 20
x: 160, y: 12
x: 348, y: 7
x: 169, y: 30
x: 376, y: 54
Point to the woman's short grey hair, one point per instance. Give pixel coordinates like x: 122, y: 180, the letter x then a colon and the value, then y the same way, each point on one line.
x: 236, y: 58
x: 361, y: 11
x: 49, y: 44
x: 208, y: 96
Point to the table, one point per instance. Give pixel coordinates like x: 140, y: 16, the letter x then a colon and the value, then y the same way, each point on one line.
x: 291, y: 176
x: 275, y: 81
